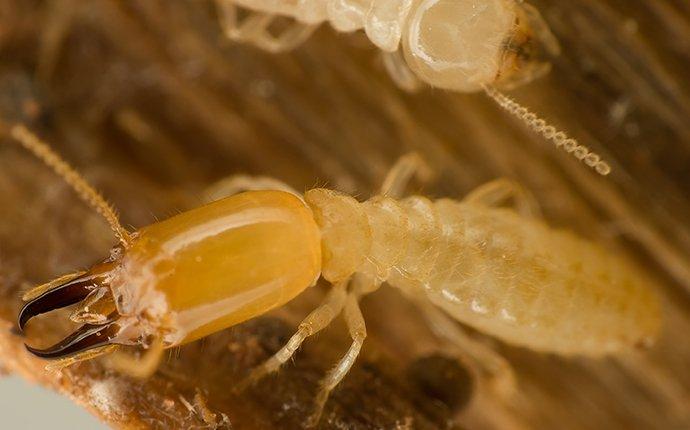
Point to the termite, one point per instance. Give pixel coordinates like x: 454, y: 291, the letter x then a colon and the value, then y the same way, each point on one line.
x: 500, y: 270
x: 457, y: 45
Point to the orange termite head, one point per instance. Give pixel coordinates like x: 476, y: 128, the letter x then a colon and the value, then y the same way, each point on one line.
x: 191, y: 275
x: 183, y: 278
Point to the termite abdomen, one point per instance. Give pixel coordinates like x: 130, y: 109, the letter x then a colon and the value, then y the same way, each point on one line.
x: 509, y: 276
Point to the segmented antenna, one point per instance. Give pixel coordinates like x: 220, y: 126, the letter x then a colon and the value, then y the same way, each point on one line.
x: 559, y: 138
x: 85, y: 191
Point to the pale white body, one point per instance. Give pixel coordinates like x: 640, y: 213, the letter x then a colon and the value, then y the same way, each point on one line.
x: 504, y: 274
x: 453, y: 44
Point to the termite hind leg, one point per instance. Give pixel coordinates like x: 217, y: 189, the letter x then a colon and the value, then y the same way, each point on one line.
x: 496, y: 192
x: 316, y: 321
x: 407, y: 166
x: 138, y: 367
x: 239, y: 183
x: 493, y: 367
x: 400, y: 72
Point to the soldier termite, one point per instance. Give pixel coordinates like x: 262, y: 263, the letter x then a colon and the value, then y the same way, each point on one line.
x: 459, y: 45
x: 499, y: 270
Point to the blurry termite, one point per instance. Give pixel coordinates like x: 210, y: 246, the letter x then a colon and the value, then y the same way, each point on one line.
x: 499, y: 270
x: 458, y: 45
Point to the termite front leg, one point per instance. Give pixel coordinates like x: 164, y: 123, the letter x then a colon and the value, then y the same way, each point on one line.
x: 288, y: 39
x: 255, y: 29
x: 496, y: 192
x: 401, y: 173
x: 240, y: 183
x: 244, y: 30
x: 316, y: 321
x: 358, y: 332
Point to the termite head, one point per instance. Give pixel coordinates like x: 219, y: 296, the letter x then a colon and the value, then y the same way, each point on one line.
x: 181, y: 279
x: 526, y: 52
x: 189, y: 276
x: 464, y: 45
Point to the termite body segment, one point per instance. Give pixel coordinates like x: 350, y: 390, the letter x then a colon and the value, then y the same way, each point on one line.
x: 504, y: 274
x: 498, y: 270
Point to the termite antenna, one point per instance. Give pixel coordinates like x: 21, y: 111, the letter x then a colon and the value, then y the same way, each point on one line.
x: 539, y: 125
x: 86, y: 192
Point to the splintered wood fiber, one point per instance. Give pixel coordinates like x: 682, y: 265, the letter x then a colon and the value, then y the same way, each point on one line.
x: 153, y: 104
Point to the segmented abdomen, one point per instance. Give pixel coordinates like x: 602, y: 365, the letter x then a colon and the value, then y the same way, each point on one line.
x: 513, y: 277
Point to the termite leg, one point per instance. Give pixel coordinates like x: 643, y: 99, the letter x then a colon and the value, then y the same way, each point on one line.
x: 239, y: 183
x: 400, y: 72
x: 138, y: 367
x: 496, y: 192
x: 229, y: 21
x: 495, y: 367
x: 403, y: 170
x: 358, y: 332
x: 287, y: 40
x: 254, y: 29
x: 316, y: 321
x: 247, y: 30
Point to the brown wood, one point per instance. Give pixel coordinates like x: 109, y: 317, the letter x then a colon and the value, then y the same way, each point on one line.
x: 151, y: 102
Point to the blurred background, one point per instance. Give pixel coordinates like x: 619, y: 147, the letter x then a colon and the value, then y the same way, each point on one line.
x: 29, y: 406
x: 153, y: 104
